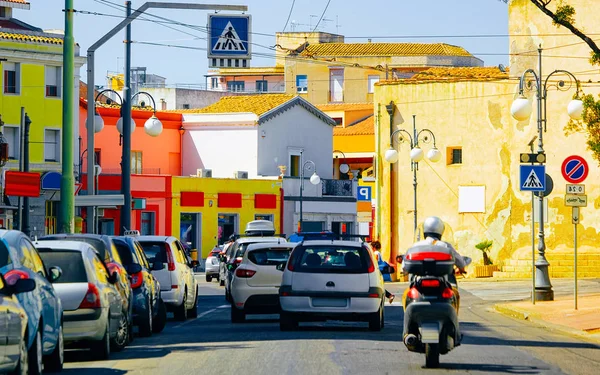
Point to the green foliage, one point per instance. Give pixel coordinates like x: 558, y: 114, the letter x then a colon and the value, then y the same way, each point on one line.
x: 590, y: 124
x: 484, y: 246
x: 564, y: 13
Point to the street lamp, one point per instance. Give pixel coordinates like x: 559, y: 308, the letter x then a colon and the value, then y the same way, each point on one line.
x: 344, y: 168
x: 314, y: 179
x: 416, y: 153
x: 521, y: 110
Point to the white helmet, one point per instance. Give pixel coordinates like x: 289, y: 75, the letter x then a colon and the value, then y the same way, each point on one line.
x: 433, y: 224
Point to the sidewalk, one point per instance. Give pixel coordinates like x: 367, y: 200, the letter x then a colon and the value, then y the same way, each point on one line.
x: 560, y: 314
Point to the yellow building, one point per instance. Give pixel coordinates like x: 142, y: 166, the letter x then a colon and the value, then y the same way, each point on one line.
x: 32, y: 79
x: 215, y: 208
x: 475, y: 189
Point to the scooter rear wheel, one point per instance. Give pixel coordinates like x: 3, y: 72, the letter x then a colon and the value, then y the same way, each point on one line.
x: 432, y: 355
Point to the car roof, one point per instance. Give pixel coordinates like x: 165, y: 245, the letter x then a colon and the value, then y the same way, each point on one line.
x: 261, y: 239
x: 155, y: 238
x: 334, y: 242
x: 267, y: 245
x: 64, y: 245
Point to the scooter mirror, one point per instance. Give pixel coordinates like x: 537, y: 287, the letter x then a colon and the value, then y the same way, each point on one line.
x: 468, y: 260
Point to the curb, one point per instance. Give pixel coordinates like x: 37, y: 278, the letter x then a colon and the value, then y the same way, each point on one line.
x: 536, y: 319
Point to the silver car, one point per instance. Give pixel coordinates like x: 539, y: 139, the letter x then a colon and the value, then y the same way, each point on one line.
x: 92, y: 304
x: 213, y: 264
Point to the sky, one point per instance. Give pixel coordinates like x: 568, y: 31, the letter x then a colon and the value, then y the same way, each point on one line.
x: 480, y: 26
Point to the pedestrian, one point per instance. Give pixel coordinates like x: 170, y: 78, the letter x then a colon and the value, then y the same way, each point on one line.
x: 377, y: 247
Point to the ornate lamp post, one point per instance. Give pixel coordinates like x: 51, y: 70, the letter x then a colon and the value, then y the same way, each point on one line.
x: 344, y: 167
x: 416, y: 153
x: 314, y: 179
x: 521, y: 110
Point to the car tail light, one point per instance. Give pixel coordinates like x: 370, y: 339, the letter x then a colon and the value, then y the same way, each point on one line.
x: 430, y: 283
x: 174, y: 286
x: 429, y: 255
x: 136, y: 280
x: 447, y: 293
x: 237, y: 260
x: 170, y: 261
x: 371, y: 268
x: 285, y: 294
x: 91, y: 299
x: 13, y: 276
x: 242, y: 272
x: 373, y: 295
x: 413, y: 293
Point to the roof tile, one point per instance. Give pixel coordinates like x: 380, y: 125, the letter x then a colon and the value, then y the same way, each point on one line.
x: 364, y: 127
x: 451, y: 74
x: 257, y: 104
x: 345, y: 106
x: 384, y: 49
x: 30, y: 38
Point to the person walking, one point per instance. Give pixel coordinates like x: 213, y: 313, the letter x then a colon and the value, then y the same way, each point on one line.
x: 376, y: 245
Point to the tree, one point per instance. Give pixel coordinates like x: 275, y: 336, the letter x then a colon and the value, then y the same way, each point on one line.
x: 564, y: 16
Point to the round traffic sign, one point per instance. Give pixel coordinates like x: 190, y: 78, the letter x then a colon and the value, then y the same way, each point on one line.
x: 575, y: 169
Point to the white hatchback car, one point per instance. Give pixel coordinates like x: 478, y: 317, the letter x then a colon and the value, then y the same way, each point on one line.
x: 178, y: 287
x: 332, y: 280
x: 256, y: 281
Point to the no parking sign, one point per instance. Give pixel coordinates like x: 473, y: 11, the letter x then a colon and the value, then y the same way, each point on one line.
x: 575, y: 169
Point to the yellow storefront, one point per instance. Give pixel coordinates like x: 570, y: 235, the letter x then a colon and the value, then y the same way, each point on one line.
x: 206, y: 211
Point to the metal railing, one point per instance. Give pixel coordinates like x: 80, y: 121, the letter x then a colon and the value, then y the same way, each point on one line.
x: 337, y: 188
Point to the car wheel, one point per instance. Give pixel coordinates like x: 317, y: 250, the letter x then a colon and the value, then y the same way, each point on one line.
x: 146, y: 321
x: 122, y: 337
x: 101, y: 349
x: 180, y: 311
x: 237, y: 315
x: 160, y: 322
x: 35, y: 354
x: 375, y: 323
x: 54, y: 362
x: 193, y: 312
x: 208, y: 279
x: 287, y: 322
x: 23, y: 365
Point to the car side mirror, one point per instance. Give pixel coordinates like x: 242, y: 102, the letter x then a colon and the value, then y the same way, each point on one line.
x: 113, y: 278
x: 54, y: 273
x: 399, y: 258
x: 23, y: 286
x: 158, y: 266
x: 194, y: 263
x: 134, y: 268
x: 280, y: 267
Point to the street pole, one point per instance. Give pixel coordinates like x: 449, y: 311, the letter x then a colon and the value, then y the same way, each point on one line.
x: 126, y: 114
x: 532, y: 232
x: 21, y: 162
x: 414, y: 167
x: 575, y: 248
x: 67, y: 181
x: 25, y: 220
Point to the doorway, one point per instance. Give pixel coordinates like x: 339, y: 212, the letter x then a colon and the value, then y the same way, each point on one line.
x: 227, y: 227
x: 190, y: 230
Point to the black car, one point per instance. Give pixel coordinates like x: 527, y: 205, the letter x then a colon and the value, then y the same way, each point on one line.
x: 107, y: 250
x: 149, y: 311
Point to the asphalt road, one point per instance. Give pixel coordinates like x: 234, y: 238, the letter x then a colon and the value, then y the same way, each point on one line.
x: 210, y: 344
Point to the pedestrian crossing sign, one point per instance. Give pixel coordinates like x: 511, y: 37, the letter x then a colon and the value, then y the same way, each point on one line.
x: 533, y: 178
x: 229, y: 36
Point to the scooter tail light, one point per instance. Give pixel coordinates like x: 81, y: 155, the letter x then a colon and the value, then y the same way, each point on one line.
x: 413, y: 293
x: 447, y: 293
x: 430, y: 283
x: 429, y: 255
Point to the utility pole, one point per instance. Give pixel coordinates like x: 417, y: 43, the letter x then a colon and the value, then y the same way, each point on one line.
x: 66, y: 212
x: 126, y: 114
x: 25, y: 210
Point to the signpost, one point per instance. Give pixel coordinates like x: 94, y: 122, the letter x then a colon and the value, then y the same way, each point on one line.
x: 575, y: 170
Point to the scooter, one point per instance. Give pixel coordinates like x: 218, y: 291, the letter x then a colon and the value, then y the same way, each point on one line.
x: 431, y: 303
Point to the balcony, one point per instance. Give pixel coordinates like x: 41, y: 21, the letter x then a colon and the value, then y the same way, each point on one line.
x: 328, y: 188
x: 337, y: 188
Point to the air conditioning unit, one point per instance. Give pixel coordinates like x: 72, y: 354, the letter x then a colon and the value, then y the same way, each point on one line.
x: 206, y: 173
x: 240, y: 174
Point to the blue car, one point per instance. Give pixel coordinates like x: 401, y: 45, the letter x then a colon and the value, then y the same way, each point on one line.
x: 19, y: 259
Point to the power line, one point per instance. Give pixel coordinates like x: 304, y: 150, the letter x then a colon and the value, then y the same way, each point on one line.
x: 289, y: 15
x: 322, y: 15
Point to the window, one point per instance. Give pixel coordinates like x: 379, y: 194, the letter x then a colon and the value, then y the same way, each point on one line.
x: 214, y: 82
x: 136, y: 162
x: 295, y: 165
x: 261, y: 86
x: 237, y: 63
x: 221, y: 62
x: 147, y: 223
x: 26, y: 257
x: 97, y: 154
x: 338, y: 121
x: 53, y: 80
x: 52, y: 145
x: 179, y: 253
x: 4, y: 255
x: 244, y: 63
x: 229, y: 62
x: 235, y: 86
x: 11, y: 77
x: 454, y: 155
x: 186, y: 106
x: 100, y: 269
x: 214, y: 62
x: 331, y: 259
x: 69, y: 261
x: 372, y: 81
x: 270, y: 256
x: 302, y: 83
x: 12, y: 137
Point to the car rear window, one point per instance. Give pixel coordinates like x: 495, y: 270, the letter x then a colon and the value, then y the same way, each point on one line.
x: 155, y: 251
x: 331, y: 259
x: 125, y: 253
x: 69, y: 261
x: 270, y: 256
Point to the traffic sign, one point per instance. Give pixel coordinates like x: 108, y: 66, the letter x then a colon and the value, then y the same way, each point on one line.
x: 575, y: 215
x: 575, y: 189
x: 572, y: 200
x: 533, y: 178
x: 575, y: 169
x: 78, y: 186
x: 364, y: 193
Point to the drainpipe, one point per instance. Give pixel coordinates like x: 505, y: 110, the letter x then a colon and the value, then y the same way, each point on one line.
x: 25, y: 221
x: 281, y: 209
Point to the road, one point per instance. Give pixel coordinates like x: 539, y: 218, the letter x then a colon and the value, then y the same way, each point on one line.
x: 210, y: 344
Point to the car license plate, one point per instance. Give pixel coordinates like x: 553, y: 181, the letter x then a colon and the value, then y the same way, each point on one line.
x: 330, y: 302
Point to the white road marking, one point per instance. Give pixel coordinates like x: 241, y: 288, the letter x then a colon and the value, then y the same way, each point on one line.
x: 200, y: 316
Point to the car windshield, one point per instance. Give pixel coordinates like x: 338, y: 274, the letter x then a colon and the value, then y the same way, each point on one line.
x: 331, y: 259
x: 270, y: 256
x: 69, y: 261
x: 155, y: 251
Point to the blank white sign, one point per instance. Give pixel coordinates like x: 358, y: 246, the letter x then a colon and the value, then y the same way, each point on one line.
x: 471, y: 199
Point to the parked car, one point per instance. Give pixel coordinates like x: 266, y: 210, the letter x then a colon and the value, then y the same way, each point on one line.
x: 177, y: 283
x: 105, y: 247
x: 19, y: 260
x: 213, y: 264
x: 149, y: 310
x: 260, y: 228
x: 335, y: 280
x: 13, y: 326
x: 255, y: 282
x: 234, y: 255
x: 93, y: 305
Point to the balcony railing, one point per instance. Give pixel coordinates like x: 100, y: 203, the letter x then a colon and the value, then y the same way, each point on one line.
x: 337, y: 188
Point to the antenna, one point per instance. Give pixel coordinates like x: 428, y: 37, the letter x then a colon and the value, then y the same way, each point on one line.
x: 337, y: 25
